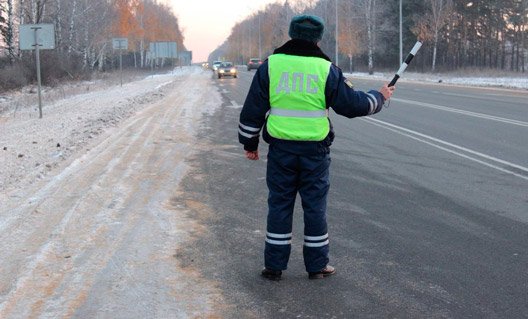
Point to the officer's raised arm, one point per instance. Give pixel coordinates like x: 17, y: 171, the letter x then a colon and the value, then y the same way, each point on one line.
x: 346, y: 101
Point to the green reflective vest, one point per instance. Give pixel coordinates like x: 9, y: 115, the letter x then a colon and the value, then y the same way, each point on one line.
x: 297, y: 98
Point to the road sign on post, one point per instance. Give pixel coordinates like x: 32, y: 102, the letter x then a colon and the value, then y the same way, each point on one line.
x: 185, y: 57
x: 163, y: 50
x: 45, y: 36
x: 37, y: 37
x: 120, y: 44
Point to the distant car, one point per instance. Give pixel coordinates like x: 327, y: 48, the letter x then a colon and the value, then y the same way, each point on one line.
x: 253, y: 63
x: 227, y: 69
x: 215, y: 65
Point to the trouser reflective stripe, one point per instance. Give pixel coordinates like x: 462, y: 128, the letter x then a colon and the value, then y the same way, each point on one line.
x: 319, y: 244
x: 316, y: 241
x: 278, y: 239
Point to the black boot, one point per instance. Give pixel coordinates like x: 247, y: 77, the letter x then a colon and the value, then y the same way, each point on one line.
x: 325, y: 272
x: 271, y: 274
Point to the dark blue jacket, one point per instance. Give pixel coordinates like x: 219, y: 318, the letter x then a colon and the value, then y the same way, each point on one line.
x: 340, y: 96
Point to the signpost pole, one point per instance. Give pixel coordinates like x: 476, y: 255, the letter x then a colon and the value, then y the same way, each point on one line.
x: 121, y: 65
x: 172, y: 59
x: 120, y: 44
x: 37, y: 56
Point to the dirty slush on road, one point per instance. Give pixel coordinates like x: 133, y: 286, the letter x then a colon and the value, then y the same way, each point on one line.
x: 101, y: 233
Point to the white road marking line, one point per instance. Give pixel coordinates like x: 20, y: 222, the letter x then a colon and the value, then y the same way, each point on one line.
x: 469, y: 113
x: 424, y: 139
x: 494, y: 94
x: 234, y: 105
x: 459, y: 95
x: 478, y: 96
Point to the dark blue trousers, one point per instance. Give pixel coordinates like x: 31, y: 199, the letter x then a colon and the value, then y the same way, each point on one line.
x: 287, y: 175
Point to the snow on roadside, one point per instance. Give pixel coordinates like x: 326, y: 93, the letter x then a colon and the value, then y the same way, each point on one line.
x: 504, y: 82
x: 31, y: 147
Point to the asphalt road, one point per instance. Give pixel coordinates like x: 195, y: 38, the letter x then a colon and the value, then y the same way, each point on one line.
x: 428, y: 210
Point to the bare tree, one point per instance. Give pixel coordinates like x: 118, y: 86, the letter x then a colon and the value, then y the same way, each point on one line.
x: 440, y: 12
x: 3, y: 22
x: 71, y: 29
x: 34, y: 10
x: 58, y: 23
x: 369, y: 12
x: 7, y: 29
x: 524, y: 30
x: 349, y: 32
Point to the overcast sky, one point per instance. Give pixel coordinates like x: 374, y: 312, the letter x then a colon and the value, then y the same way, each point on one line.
x: 206, y: 24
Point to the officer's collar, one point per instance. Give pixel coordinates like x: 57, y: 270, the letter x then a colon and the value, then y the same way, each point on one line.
x: 302, y: 48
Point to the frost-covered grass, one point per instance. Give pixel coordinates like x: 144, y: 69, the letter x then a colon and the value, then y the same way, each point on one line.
x: 74, y: 115
x: 15, y: 100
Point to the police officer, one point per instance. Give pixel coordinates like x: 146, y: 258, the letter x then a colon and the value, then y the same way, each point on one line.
x: 288, y: 103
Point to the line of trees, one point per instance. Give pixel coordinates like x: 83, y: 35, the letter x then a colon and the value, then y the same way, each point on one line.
x: 488, y: 34
x: 83, y: 33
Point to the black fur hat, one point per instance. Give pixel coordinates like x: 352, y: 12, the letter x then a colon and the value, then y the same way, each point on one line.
x: 306, y: 27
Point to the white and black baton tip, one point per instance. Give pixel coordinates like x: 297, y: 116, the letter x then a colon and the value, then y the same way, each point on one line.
x: 404, y: 65
x: 416, y: 47
x: 410, y: 56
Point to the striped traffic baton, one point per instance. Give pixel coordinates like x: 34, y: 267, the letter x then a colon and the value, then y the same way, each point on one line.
x: 404, y: 65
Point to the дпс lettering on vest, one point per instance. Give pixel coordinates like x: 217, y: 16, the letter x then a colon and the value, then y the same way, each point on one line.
x: 298, y: 83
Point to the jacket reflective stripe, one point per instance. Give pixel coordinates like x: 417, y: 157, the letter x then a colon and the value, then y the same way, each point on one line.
x: 246, y: 134
x: 249, y: 128
x: 373, y: 103
x: 298, y: 113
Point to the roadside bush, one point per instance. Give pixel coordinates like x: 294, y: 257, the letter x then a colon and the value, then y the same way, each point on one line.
x: 64, y: 66
x: 13, y: 76
x: 54, y: 67
x: 57, y: 67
